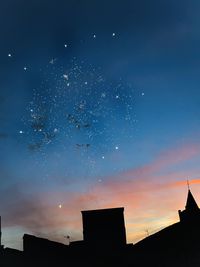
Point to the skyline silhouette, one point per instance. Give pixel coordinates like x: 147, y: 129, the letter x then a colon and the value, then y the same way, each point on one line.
x: 99, y: 108
x: 154, y: 227
x: 104, y: 243
x: 92, y: 219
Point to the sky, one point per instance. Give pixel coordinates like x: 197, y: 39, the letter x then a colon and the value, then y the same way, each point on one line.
x: 99, y: 108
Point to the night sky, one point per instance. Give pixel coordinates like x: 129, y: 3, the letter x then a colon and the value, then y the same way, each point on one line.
x: 99, y: 107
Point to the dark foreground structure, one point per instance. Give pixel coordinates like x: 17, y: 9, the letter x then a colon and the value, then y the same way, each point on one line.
x: 104, y: 244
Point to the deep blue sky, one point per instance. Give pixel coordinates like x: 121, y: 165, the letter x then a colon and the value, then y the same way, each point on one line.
x: 91, y: 90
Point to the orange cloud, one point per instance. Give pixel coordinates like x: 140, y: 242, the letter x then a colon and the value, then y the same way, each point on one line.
x: 180, y: 183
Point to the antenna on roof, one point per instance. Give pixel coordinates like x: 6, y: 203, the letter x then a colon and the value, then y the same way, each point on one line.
x: 147, y: 232
x: 188, y: 185
x: 68, y: 238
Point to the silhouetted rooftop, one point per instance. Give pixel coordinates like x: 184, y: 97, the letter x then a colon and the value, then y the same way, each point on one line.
x: 191, y: 203
x: 103, y: 210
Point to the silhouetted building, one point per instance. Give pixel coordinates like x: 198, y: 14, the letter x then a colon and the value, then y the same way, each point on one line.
x: 104, y: 244
x: 8, y: 256
x: 104, y: 228
x: 103, y: 232
x: 12, y: 257
x: 175, y: 245
x: 191, y: 212
x: 43, y: 252
x: 37, y: 246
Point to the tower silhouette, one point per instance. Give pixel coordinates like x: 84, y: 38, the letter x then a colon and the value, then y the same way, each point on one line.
x: 104, y: 227
x: 191, y: 212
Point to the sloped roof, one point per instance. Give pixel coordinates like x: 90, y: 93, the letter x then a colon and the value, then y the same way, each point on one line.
x: 191, y: 203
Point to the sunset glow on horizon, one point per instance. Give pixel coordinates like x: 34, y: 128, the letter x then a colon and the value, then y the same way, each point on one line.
x: 99, y: 108
x: 151, y: 202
